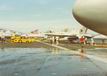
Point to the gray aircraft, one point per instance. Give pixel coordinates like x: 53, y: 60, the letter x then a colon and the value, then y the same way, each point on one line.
x: 92, y: 14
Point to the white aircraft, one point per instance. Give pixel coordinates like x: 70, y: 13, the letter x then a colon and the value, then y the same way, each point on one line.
x: 92, y: 14
x: 72, y: 35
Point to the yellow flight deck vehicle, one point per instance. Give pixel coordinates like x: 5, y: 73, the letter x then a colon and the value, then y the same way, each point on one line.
x: 20, y: 39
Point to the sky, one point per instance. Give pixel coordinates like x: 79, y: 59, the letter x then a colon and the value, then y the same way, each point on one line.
x: 28, y: 15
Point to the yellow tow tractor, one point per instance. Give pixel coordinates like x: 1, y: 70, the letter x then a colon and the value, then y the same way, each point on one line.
x: 20, y: 39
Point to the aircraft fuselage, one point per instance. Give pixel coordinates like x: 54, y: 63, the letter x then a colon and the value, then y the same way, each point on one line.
x: 92, y: 14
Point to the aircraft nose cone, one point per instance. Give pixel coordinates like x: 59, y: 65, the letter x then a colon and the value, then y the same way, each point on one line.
x: 92, y: 14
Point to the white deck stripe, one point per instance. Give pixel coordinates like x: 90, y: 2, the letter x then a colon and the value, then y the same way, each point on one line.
x: 76, y: 52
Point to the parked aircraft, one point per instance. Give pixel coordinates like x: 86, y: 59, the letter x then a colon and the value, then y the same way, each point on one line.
x: 71, y: 36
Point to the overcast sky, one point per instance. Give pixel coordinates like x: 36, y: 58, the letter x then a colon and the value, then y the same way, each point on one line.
x: 28, y: 15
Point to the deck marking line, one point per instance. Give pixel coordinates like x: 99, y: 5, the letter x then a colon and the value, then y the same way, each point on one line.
x: 76, y: 52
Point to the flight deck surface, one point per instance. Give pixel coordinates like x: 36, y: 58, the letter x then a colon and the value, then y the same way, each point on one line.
x: 48, y: 61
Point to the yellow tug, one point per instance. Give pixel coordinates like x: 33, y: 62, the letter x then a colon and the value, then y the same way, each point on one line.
x: 20, y: 39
